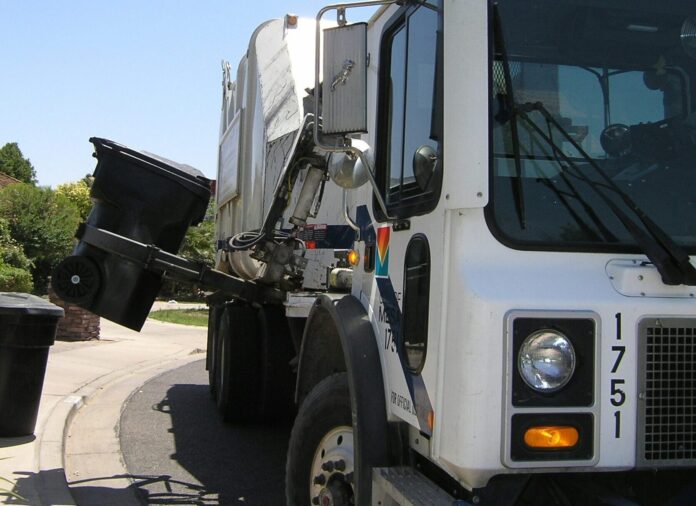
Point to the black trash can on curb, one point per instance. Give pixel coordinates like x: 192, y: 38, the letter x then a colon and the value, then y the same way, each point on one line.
x: 27, y: 331
x: 145, y: 198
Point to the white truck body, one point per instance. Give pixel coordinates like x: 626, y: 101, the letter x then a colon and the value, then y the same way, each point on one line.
x: 263, y: 110
x: 458, y: 388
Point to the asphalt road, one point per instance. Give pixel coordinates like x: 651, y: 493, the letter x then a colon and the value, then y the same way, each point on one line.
x: 180, y: 452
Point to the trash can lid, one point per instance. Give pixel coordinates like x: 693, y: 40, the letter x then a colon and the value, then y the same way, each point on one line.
x: 190, y: 177
x: 12, y: 303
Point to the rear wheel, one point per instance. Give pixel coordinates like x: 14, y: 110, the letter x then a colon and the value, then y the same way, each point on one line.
x: 211, y: 362
x: 254, y: 381
x: 237, y: 376
x: 277, y: 375
x: 320, y: 465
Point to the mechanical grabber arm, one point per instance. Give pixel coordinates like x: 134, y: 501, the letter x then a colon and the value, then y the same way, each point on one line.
x: 275, y: 247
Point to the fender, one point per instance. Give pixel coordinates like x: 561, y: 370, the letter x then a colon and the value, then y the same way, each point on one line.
x: 338, y: 337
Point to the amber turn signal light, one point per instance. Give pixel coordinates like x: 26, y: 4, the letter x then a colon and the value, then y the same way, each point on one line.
x: 551, y: 437
x: 353, y: 257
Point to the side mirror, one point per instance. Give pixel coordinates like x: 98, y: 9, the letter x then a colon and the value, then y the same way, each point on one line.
x: 346, y: 169
x: 344, y: 90
x: 424, y: 165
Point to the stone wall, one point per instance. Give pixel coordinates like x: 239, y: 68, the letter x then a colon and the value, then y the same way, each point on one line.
x: 78, y: 323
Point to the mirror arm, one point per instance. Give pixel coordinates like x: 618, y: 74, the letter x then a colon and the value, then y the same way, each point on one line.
x: 375, y: 188
x: 318, y: 141
x: 347, y: 217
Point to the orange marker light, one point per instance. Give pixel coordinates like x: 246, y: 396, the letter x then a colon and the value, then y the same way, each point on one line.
x: 551, y: 437
x: 431, y: 420
x: 291, y: 20
x: 353, y: 257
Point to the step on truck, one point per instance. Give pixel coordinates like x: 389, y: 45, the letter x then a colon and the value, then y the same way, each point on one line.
x: 453, y: 245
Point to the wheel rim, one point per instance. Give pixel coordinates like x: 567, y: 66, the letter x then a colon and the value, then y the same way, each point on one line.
x: 76, y: 279
x: 331, y: 478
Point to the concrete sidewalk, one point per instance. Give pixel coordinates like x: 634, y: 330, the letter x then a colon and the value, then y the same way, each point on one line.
x: 86, y: 385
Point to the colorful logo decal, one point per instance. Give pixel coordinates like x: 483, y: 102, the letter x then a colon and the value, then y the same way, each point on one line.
x: 382, y: 267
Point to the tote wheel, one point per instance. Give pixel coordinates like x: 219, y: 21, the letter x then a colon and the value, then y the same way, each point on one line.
x: 76, y: 279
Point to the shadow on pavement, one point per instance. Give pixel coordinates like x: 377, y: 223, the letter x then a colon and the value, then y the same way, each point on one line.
x: 49, y: 483
x: 24, y: 489
x: 175, y: 492
x: 243, y: 464
x: 174, y: 430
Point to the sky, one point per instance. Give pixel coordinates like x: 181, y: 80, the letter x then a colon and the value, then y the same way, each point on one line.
x: 144, y: 73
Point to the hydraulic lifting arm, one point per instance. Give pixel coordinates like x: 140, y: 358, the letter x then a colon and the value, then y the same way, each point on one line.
x: 154, y: 259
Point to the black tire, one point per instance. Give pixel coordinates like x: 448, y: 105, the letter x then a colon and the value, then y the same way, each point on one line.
x: 211, y: 360
x: 277, y: 376
x: 76, y: 279
x: 237, y: 378
x: 325, y: 410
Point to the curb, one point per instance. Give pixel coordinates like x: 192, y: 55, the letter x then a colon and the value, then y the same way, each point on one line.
x: 54, y: 488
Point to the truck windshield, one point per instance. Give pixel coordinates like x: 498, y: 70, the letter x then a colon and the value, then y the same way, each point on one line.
x: 618, y: 77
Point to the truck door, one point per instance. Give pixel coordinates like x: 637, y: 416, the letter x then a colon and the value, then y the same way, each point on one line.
x: 409, y: 172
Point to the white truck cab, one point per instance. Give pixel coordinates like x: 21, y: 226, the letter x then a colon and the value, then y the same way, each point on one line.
x: 511, y: 200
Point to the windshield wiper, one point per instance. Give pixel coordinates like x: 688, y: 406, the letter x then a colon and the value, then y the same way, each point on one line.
x: 573, y: 193
x: 505, y: 114
x: 669, y: 258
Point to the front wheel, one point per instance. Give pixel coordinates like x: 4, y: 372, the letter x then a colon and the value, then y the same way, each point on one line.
x: 321, y: 462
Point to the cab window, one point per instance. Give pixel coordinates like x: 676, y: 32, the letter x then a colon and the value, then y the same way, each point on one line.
x: 410, y: 121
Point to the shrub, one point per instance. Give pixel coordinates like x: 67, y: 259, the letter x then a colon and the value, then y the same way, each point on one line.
x: 77, y: 194
x: 199, y: 245
x: 43, y: 223
x: 15, y: 275
x: 13, y: 279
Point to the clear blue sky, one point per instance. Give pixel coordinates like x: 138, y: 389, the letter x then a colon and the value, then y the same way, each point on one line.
x: 145, y: 73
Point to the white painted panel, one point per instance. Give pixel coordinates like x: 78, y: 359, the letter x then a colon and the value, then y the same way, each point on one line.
x: 465, y: 182
x: 228, y: 176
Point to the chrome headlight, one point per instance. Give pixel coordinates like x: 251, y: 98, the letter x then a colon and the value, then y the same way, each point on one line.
x: 546, y: 360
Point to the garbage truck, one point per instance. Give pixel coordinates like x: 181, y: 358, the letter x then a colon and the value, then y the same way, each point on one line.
x: 453, y: 246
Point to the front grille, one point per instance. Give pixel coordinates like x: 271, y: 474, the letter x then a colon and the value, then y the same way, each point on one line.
x: 667, y: 386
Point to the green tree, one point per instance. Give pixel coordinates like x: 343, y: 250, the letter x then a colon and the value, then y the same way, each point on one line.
x: 199, y: 244
x: 12, y: 253
x: 43, y: 223
x: 15, y: 267
x: 13, y: 163
x: 77, y: 194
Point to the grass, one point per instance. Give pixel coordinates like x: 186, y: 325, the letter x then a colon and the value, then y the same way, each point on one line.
x: 195, y: 317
